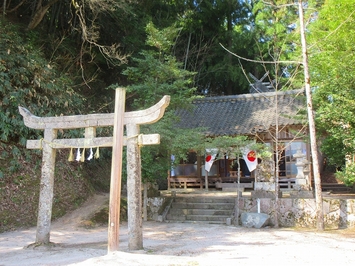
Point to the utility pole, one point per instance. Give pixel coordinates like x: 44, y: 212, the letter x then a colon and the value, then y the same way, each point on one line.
x: 311, y: 123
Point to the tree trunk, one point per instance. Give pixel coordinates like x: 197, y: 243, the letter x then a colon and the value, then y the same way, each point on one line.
x: 4, y: 8
x: 312, y: 131
x: 187, y: 51
x: 277, y: 170
x: 16, y: 7
x: 39, y: 14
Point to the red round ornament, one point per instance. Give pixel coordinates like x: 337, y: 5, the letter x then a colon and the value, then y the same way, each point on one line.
x: 251, y: 156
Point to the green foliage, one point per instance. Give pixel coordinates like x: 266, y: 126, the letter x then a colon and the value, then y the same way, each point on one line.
x: 347, y: 175
x: 163, y: 39
x: 278, y: 40
x: 157, y: 73
x: 332, y: 61
x: 155, y: 77
x: 156, y: 158
x: 234, y: 147
x: 28, y: 80
x: 94, y: 39
x: 206, y: 26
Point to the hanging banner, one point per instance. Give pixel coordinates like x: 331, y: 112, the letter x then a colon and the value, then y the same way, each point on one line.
x: 250, y: 159
x: 212, y: 153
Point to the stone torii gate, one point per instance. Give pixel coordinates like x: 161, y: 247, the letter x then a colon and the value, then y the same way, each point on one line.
x: 90, y: 122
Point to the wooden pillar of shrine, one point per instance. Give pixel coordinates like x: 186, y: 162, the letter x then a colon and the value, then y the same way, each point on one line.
x: 116, y: 172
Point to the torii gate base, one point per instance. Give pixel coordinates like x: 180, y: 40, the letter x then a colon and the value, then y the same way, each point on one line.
x: 134, y: 140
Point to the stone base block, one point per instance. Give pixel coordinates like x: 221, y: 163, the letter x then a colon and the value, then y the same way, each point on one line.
x: 267, y: 186
x: 256, y: 220
x: 232, y: 189
x: 306, y: 194
x: 301, y: 181
x: 260, y: 194
x: 301, y: 188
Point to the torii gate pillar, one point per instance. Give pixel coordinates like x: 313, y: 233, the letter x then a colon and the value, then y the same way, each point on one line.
x: 47, y: 187
x: 134, y: 189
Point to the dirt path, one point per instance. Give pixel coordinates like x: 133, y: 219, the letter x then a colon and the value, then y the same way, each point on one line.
x: 177, y: 244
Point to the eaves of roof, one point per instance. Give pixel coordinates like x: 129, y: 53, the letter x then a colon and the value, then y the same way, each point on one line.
x: 243, y: 114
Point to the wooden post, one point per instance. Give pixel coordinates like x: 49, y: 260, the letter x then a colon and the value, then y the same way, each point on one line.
x: 46, y: 188
x: 206, y: 179
x: 116, y: 172
x: 169, y: 184
x: 238, y: 195
x: 134, y: 189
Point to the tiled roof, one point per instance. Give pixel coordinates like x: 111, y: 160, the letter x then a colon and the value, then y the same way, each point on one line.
x: 243, y: 114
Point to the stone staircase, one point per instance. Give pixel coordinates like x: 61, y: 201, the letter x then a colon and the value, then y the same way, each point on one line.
x: 334, y: 187
x: 204, y: 209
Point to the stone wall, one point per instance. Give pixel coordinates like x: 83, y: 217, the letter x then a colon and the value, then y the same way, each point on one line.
x: 293, y: 212
x: 298, y: 212
x: 155, y: 206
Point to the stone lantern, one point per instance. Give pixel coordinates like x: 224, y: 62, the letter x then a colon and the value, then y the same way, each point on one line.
x: 301, y: 187
x: 300, y: 166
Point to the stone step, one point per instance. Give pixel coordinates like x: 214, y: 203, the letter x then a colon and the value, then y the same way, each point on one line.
x: 196, y: 222
x: 211, y: 212
x: 208, y: 218
x: 175, y: 217
x: 196, y: 205
x: 201, y: 209
x: 334, y: 187
x: 198, y: 218
x: 205, y: 199
x: 200, y: 222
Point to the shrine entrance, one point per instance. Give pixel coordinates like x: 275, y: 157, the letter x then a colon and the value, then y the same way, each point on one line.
x: 134, y: 140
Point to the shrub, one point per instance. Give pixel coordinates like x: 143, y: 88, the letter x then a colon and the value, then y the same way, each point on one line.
x: 27, y: 79
x: 347, y: 175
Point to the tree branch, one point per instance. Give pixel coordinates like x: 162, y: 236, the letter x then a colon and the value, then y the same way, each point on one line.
x: 39, y: 14
x: 259, y: 61
x: 16, y: 7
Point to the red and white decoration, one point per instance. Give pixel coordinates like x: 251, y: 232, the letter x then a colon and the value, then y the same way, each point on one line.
x: 250, y: 159
x: 210, y: 158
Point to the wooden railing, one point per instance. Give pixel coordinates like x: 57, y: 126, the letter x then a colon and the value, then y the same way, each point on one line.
x: 199, y: 182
